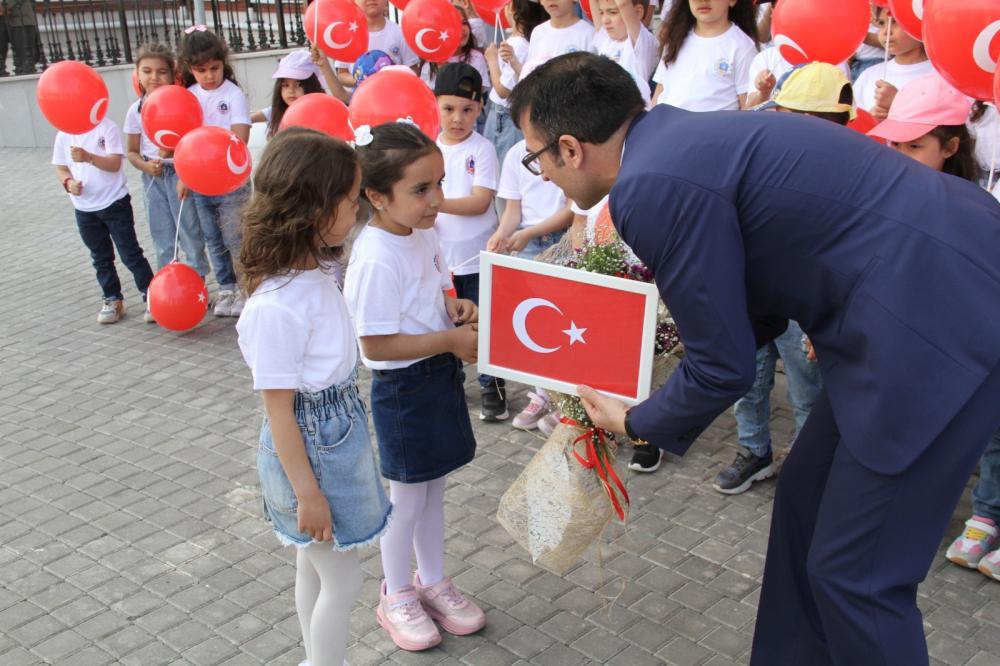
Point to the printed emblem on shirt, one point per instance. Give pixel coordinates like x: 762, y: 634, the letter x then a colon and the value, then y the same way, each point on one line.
x: 470, y: 165
x: 223, y: 107
x: 724, y: 67
x: 437, y: 262
x: 102, y: 144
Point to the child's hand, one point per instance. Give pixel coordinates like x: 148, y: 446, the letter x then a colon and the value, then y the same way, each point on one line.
x: 506, y: 52
x: 491, y: 53
x: 314, y: 517
x: 154, y: 168
x: 166, y: 154
x: 765, y: 82
x: 80, y: 155
x: 878, y: 113
x: 318, y: 57
x: 461, y: 310
x: 75, y: 187
x: 885, y: 92
x: 465, y: 342
x: 518, y: 240
x: 497, y: 242
x: 182, y: 191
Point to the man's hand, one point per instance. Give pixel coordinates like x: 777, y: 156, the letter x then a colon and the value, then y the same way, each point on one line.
x: 606, y: 413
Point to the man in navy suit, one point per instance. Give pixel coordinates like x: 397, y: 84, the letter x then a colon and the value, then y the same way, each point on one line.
x: 893, y: 271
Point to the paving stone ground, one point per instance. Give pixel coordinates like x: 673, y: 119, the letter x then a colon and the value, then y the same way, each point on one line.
x: 130, y: 526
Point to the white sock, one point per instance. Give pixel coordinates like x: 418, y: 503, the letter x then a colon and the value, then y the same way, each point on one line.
x: 339, y: 578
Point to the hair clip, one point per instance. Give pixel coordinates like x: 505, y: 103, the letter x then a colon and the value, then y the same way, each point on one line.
x: 363, y: 136
x: 201, y: 27
x: 407, y: 120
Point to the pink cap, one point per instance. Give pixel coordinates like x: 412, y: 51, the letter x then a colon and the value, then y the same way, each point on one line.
x: 296, y: 65
x: 922, y: 105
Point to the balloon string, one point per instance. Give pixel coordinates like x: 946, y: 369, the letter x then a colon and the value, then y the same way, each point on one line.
x: 152, y: 180
x: 888, y: 35
x: 993, y: 154
x: 177, y: 229
x: 497, y: 29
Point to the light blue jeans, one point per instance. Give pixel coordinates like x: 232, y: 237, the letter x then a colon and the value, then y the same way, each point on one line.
x: 986, y: 494
x: 753, y: 411
x: 162, y: 206
x: 500, y: 129
x: 220, y: 225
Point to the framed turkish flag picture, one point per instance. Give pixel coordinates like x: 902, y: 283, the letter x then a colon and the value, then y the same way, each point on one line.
x: 558, y: 327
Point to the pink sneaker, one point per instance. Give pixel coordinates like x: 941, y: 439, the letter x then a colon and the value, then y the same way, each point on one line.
x: 979, y: 537
x: 990, y: 565
x: 402, y: 615
x: 443, y: 602
x: 549, y: 422
x: 530, y: 416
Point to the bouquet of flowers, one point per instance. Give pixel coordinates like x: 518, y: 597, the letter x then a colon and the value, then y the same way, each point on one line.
x: 570, y: 490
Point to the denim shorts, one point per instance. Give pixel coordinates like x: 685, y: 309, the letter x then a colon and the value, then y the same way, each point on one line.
x: 334, y: 429
x: 540, y: 244
x: 422, y: 420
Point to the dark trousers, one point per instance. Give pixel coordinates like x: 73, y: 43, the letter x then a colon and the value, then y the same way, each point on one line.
x: 104, y: 230
x: 467, y: 286
x: 849, y: 546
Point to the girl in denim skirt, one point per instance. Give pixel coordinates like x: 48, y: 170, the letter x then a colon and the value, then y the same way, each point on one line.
x: 414, y: 338
x: 317, y: 469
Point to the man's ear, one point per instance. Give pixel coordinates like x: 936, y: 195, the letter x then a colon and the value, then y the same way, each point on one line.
x: 571, y: 150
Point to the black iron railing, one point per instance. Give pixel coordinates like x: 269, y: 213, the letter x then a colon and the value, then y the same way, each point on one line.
x: 110, y: 32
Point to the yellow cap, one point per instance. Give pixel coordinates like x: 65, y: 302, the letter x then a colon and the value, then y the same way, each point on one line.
x: 814, y: 87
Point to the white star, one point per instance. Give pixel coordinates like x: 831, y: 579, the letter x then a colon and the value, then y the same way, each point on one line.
x: 575, y: 334
x: 201, y: 297
x: 443, y: 35
x: 353, y: 27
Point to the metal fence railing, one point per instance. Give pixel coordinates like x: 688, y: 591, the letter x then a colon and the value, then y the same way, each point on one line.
x: 34, y: 34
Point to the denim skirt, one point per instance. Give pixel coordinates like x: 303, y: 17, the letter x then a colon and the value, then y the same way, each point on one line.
x: 422, y: 420
x: 334, y: 429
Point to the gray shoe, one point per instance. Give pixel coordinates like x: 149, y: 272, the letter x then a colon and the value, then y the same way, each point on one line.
x: 224, y: 304
x: 742, y: 472
x: 236, y: 306
x: 111, y: 311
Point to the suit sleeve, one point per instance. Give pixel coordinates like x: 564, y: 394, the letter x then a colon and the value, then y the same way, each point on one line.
x: 690, y: 237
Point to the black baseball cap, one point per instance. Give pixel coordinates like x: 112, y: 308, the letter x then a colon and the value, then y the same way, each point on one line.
x: 461, y: 80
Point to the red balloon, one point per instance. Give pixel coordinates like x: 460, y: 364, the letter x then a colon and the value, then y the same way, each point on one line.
x: 400, y: 4
x: 996, y: 87
x: 432, y: 28
x: 881, y: 3
x: 488, y: 14
x: 72, y: 96
x: 320, y: 112
x: 168, y: 113
x: 962, y: 38
x: 391, y: 94
x: 177, y: 297
x: 910, y: 16
x: 864, y: 123
x: 340, y: 30
x: 585, y: 6
x: 808, y: 30
x: 212, y: 161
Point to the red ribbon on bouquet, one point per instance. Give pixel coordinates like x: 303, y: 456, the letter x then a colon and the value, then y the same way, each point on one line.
x: 599, y: 461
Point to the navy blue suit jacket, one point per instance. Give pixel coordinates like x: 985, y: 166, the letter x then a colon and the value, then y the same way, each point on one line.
x: 751, y: 219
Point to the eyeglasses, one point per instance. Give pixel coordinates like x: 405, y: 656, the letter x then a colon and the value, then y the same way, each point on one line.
x: 530, y: 161
x: 200, y: 28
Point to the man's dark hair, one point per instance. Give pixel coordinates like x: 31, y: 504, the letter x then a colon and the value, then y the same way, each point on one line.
x: 581, y: 94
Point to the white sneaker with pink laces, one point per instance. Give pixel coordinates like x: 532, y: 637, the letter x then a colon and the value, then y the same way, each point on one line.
x: 408, y: 624
x: 530, y: 416
x: 449, y: 607
x: 989, y: 565
x: 979, y: 537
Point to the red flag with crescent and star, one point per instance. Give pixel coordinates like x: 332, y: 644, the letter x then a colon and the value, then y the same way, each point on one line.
x: 567, y: 326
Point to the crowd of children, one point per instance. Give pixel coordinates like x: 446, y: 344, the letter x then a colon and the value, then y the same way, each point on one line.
x: 436, y: 203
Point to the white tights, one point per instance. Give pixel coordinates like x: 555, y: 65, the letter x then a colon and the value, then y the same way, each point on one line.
x: 327, y: 584
x: 417, y: 525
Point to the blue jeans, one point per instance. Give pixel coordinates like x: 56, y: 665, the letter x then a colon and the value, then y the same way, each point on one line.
x: 500, y: 129
x: 986, y: 494
x: 467, y: 286
x: 539, y: 244
x: 162, y: 206
x: 219, y: 218
x: 753, y: 411
x: 104, y: 230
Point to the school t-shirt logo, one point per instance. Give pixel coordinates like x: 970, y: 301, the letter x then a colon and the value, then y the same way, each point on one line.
x: 437, y: 262
x: 223, y: 107
x: 102, y: 144
x: 470, y: 165
x: 723, y: 67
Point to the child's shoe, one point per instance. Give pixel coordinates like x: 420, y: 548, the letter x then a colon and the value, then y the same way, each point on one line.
x: 530, y: 416
x: 147, y: 316
x: 979, y: 537
x: 990, y: 565
x: 111, y: 311
x: 493, y: 402
x: 408, y: 624
x: 224, y: 304
x: 449, y: 607
x: 549, y: 422
x: 236, y: 305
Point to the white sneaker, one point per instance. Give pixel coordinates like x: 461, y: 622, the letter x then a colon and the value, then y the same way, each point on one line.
x: 111, y: 311
x: 224, y: 304
x: 147, y: 316
x: 530, y: 416
x: 236, y: 307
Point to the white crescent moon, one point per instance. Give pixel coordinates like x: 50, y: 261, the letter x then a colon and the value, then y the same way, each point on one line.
x: 237, y: 169
x: 158, y: 138
x: 981, y: 48
x: 918, y: 9
x: 328, y: 37
x: 521, y: 313
x: 784, y: 40
x: 94, y: 110
x: 419, y: 39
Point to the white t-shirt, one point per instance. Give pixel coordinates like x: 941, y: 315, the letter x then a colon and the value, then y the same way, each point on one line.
x: 100, y: 188
x: 592, y: 214
x: 867, y: 51
x: 540, y: 199
x: 547, y: 42
x: 709, y: 73
x: 133, y: 125
x: 295, y: 333
x: 476, y: 59
x: 770, y: 59
x: 639, y: 60
x: 390, y: 41
x: 894, y: 73
x: 508, y: 77
x: 477, y: 27
x: 396, y: 284
x: 223, y: 107
x: 986, y: 131
x: 472, y: 163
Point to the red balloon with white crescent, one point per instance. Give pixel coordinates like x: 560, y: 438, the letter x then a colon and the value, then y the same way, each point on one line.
x: 391, y: 94
x: 996, y: 87
x: 910, y: 15
x: 72, y: 96
x: 168, y: 113
x: 322, y: 113
x: 177, y: 297
x: 486, y: 12
x: 338, y: 28
x: 212, y: 161
x: 962, y: 38
x: 808, y: 30
x: 432, y: 28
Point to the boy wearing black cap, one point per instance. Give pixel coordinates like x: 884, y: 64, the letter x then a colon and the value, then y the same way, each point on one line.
x: 467, y: 217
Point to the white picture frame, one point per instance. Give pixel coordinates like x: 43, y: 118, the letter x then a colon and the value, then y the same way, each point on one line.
x: 487, y: 260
